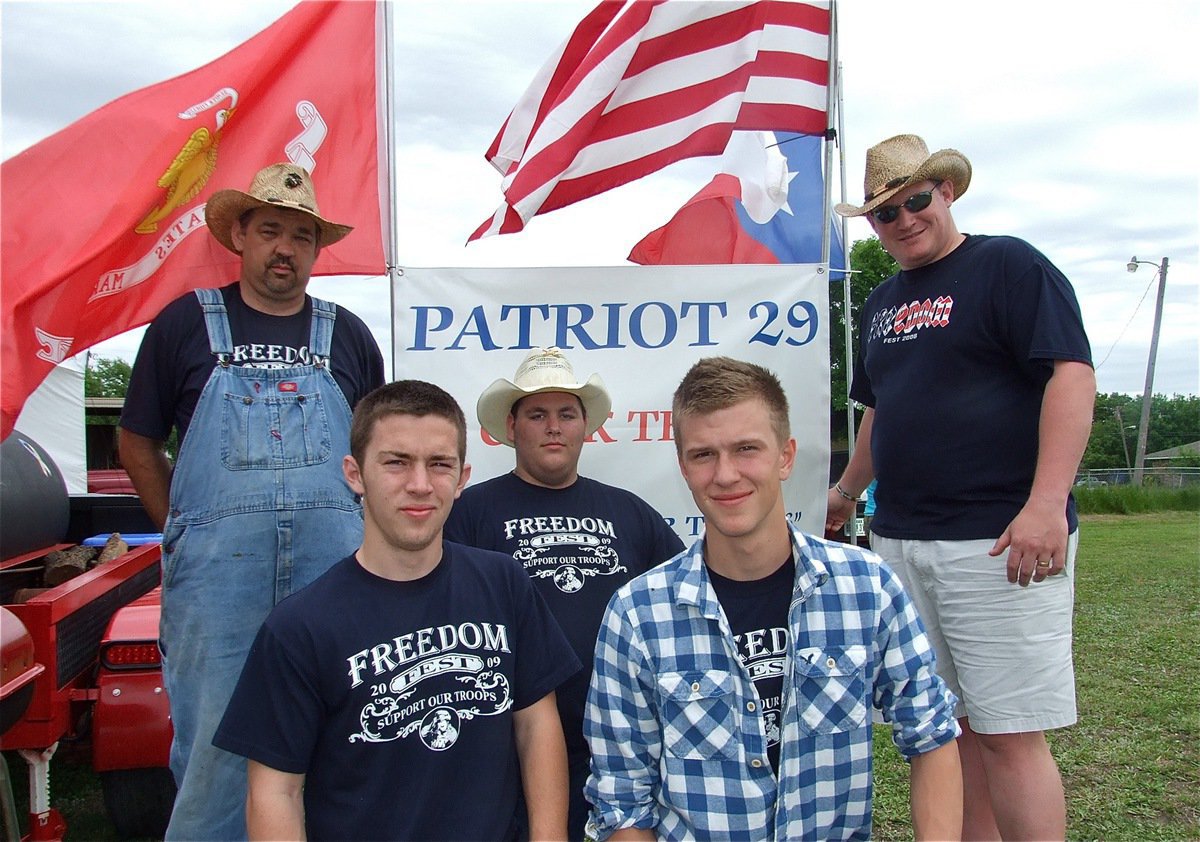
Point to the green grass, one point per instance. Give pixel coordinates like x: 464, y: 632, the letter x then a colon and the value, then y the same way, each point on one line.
x: 1131, y: 765
x: 1130, y: 499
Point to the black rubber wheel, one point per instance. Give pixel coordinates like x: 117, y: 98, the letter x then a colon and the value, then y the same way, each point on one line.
x: 139, y: 801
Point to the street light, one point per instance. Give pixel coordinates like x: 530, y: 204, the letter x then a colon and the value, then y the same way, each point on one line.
x: 1139, y: 465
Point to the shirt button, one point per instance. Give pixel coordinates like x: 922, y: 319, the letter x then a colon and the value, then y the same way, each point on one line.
x: 831, y: 663
x: 695, y: 686
x: 756, y: 763
x: 750, y: 706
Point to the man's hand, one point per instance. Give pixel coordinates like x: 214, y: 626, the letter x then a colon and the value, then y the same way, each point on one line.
x: 838, y: 510
x: 1036, y: 541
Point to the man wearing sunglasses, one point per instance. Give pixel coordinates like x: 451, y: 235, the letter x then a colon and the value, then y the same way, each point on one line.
x: 977, y: 381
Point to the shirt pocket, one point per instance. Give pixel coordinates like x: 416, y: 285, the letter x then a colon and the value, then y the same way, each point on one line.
x: 699, y: 714
x: 830, y: 685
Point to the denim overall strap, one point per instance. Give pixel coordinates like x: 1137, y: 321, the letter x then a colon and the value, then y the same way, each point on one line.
x: 216, y: 322
x: 259, y: 508
x: 321, y: 334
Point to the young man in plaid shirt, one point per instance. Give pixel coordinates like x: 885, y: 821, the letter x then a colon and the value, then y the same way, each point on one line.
x: 734, y: 684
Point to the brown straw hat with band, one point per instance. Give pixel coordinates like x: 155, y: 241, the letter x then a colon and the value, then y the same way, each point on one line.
x: 902, y: 160
x: 279, y: 185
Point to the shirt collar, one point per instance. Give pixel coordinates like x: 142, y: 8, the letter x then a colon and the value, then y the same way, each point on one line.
x: 811, y: 570
x: 691, y: 585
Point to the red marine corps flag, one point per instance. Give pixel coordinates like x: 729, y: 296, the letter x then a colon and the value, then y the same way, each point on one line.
x: 641, y: 84
x: 104, y: 221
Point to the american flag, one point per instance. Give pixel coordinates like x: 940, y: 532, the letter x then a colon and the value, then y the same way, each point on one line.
x: 641, y: 84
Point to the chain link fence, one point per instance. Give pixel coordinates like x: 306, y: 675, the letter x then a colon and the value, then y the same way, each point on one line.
x: 1166, y: 477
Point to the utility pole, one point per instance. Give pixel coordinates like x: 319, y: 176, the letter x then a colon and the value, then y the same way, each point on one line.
x: 1121, y: 430
x: 1139, y: 465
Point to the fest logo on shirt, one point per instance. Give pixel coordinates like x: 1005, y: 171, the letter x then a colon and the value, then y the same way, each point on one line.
x: 763, y: 653
x: 901, y: 323
x: 569, y: 550
x: 429, y: 682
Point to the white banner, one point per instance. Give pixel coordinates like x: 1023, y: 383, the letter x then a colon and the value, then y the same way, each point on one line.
x: 54, y: 417
x: 641, y: 328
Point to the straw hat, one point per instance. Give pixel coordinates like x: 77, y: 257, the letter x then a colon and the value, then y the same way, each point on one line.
x: 544, y: 370
x: 903, y: 160
x: 279, y: 185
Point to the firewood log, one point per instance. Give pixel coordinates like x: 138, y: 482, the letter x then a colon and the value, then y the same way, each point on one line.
x: 64, y: 565
x: 23, y: 595
x: 114, y: 547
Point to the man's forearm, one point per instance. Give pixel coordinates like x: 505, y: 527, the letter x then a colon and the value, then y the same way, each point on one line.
x: 150, y: 471
x: 840, y: 503
x: 274, y: 803
x: 274, y: 818
x: 1036, y: 539
x: 935, y: 794
x: 1064, y: 425
x: 860, y: 470
x: 543, y: 759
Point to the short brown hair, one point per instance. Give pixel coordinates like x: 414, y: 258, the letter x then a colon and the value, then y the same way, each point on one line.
x: 404, y: 397
x: 720, y: 382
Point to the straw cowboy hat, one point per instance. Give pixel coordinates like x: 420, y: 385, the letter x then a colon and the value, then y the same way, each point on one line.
x: 903, y: 160
x: 279, y: 185
x: 544, y: 370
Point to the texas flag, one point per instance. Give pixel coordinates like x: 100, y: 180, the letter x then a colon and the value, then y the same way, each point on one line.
x: 764, y: 206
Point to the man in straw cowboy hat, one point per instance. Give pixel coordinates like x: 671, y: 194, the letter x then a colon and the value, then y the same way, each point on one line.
x: 976, y: 375
x: 578, y: 539
x: 258, y: 379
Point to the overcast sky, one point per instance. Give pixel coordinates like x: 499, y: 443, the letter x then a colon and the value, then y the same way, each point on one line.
x: 1082, y: 123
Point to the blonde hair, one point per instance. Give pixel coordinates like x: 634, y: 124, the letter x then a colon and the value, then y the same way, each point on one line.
x: 720, y: 382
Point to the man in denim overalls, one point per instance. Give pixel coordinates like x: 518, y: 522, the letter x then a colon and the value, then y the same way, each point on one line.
x: 259, y: 379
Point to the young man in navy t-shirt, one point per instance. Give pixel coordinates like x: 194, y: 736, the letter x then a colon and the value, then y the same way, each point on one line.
x: 412, y: 668
x: 578, y: 539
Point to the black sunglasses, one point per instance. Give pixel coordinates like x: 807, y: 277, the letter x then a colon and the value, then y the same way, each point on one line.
x: 916, y: 202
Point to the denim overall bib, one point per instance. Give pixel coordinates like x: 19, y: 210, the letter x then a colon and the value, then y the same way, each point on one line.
x: 258, y: 509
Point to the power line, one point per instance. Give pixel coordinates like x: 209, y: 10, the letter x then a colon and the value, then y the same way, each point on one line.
x: 1128, y: 323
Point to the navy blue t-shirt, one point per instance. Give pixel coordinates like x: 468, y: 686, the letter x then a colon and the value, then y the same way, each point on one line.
x: 175, y: 360
x: 578, y: 545
x: 757, y: 611
x: 954, y: 357
x: 396, y: 699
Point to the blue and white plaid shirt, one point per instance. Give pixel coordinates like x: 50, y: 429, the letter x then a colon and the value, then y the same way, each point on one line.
x: 674, y: 722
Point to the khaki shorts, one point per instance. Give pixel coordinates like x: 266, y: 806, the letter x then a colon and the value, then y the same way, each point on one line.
x: 1004, y: 650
